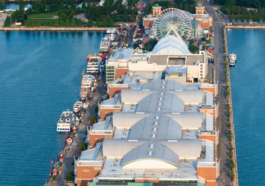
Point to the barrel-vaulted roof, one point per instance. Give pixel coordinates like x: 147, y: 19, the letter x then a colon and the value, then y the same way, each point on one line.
x: 171, y: 45
x: 127, y: 119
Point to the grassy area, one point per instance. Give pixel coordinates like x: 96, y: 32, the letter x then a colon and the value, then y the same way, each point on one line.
x: 43, y: 15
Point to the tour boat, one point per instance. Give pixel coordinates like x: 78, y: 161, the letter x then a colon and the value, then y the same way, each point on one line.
x: 94, y: 64
x: 65, y: 121
x: 87, y: 81
x: 232, y: 60
x: 83, y: 94
x: 77, y: 106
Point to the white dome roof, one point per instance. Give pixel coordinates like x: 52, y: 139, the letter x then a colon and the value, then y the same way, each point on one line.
x: 171, y: 45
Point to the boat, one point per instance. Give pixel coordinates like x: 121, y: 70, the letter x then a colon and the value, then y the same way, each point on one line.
x: 65, y: 121
x: 93, y: 64
x: 105, y: 44
x: 87, y: 81
x: 77, y: 106
x: 83, y: 94
x: 232, y: 60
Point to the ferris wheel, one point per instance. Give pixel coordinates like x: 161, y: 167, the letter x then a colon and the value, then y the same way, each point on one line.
x: 174, y: 22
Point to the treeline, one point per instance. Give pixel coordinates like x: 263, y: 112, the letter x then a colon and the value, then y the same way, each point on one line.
x: 237, y: 12
x: 117, y: 12
x: 65, y: 12
x: 56, y: 22
x: 246, y: 3
x: 188, y: 5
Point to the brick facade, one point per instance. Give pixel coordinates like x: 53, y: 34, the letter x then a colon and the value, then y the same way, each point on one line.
x: 208, y: 111
x: 96, y: 138
x: 86, y: 174
x: 121, y: 72
x: 207, y: 173
x: 208, y: 137
x: 209, y: 89
x: 116, y: 90
x: 105, y: 112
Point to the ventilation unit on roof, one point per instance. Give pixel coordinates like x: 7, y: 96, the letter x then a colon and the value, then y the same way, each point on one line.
x: 157, y: 117
x: 159, y: 103
x: 124, y: 133
x: 161, y: 94
x: 153, y: 136
x: 115, y: 164
x: 164, y: 82
x: 158, y: 108
x: 161, y: 99
x: 125, y: 130
x: 155, y: 129
x: 152, y: 145
x: 116, y: 159
x: 156, y: 123
x: 150, y: 152
x: 163, y: 86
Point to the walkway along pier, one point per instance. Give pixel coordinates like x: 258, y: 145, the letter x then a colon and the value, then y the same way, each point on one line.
x: 230, y: 114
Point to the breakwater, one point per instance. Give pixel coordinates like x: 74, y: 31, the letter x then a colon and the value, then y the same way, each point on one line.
x: 244, y: 27
x: 230, y: 114
x: 53, y: 28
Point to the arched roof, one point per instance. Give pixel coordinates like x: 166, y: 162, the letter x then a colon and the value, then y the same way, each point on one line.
x: 141, y: 153
x: 171, y: 45
x: 169, y: 85
x: 131, y: 118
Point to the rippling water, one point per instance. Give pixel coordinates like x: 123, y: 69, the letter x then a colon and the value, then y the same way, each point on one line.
x: 249, y: 103
x: 40, y: 76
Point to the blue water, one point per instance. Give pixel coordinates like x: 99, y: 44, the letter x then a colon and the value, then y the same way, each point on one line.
x: 40, y: 76
x: 248, y: 92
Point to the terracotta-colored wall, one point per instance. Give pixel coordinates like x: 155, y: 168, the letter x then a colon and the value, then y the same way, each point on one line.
x: 146, y: 180
x: 115, y: 90
x: 209, y: 111
x: 207, y: 173
x: 208, y: 137
x: 121, y: 72
x: 86, y: 173
x: 103, y: 112
x: 148, y: 23
x: 212, y: 89
x: 95, y: 138
x: 211, y: 183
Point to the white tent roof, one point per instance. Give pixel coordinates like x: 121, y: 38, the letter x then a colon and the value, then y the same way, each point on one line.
x: 171, y: 45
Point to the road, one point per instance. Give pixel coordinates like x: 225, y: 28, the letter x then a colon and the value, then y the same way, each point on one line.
x: 222, y: 121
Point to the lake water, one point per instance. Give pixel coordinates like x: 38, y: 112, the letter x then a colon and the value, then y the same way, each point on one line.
x: 40, y: 76
x: 249, y: 103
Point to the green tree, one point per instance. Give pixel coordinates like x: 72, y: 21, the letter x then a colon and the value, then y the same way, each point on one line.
x: 105, y: 23
x: 93, y: 119
x: 72, y: 4
x: 98, y: 23
x: 8, y: 21
x: 90, y: 23
x: 82, y: 146
x: 33, y: 23
x: 67, y: 22
x: 61, y: 23
x: 38, y: 23
x: 27, y: 23
x: 110, y: 21
x: 61, y: 6
x: 193, y: 48
x: 73, y: 22
x: 44, y: 23
x: 56, y: 23
x: 84, y: 5
x: 69, y: 176
x: 2, y: 5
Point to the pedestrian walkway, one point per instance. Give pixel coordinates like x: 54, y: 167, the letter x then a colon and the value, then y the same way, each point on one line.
x: 68, y: 165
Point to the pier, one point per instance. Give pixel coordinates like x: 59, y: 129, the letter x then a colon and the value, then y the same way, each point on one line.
x: 230, y: 115
x: 71, y: 150
x: 53, y: 28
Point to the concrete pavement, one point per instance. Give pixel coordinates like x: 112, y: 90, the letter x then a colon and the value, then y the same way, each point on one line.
x: 80, y: 137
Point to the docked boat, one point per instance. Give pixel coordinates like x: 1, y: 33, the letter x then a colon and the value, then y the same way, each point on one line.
x: 232, y: 60
x: 94, y: 64
x: 77, y: 106
x: 105, y: 44
x: 87, y: 81
x: 83, y: 94
x: 65, y: 121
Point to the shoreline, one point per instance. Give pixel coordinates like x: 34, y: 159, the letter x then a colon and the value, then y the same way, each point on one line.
x: 231, y: 118
x: 53, y: 28
x: 243, y: 27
